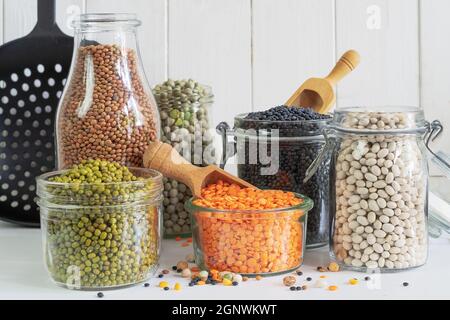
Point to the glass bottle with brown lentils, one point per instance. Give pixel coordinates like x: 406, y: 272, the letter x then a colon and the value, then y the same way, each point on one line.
x: 107, y: 110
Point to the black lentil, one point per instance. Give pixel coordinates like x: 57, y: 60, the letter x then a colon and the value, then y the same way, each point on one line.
x: 308, y: 279
x: 284, y: 113
x: 160, y: 275
x: 100, y: 295
x: 405, y: 284
x: 166, y: 288
x: 235, y: 283
x: 174, y: 268
x: 295, y: 156
x: 292, y: 288
x: 299, y: 273
x: 146, y: 284
x: 367, y: 278
x: 298, y: 288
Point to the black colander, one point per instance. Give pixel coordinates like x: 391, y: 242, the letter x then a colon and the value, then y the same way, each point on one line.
x: 33, y: 71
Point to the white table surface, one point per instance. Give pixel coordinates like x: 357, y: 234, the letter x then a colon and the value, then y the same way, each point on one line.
x: 23, y: 276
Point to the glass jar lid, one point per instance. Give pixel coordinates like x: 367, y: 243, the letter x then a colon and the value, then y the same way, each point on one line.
x: 398, y: 119
x: 439, y: 196
x: 105, y: 21
x: 296, y: 128
x: 146, y: 190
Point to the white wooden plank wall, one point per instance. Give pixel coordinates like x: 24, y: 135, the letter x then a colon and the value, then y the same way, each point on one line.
x: 151, y: 34
x: 435, y: 65
x: 210, y: 41
x: 291, y: 40
x: 254, y: 53
x: 385, y: 32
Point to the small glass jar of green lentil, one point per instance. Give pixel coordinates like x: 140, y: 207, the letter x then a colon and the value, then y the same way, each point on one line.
x: 184, y: 107
x: 100, y: 224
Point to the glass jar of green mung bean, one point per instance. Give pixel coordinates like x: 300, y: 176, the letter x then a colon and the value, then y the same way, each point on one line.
x: 100, y: 235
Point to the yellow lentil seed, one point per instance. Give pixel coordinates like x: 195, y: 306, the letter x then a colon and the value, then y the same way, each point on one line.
x: 353, y: 281
x: 333, y: 267
x: 227, y: 282
x: 332, y: 288
x: 177, y: 287
x: 163, y: 284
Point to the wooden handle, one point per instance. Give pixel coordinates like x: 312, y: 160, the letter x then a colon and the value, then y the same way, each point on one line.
x: 346, y: 64
x: 162, y: 157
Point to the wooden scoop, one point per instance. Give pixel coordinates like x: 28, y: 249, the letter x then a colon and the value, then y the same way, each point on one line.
x: 318, y: 93
x: 162, y: 157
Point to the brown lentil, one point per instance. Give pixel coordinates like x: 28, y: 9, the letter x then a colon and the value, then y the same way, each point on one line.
x: 289, y: 281
x: 182, y: 265
x: 333, y: 267
x: 107, y: 112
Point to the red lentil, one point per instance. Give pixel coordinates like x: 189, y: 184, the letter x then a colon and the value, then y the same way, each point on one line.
x: 249, y: 242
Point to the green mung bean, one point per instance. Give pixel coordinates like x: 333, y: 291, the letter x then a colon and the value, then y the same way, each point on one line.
x: 98, y: 227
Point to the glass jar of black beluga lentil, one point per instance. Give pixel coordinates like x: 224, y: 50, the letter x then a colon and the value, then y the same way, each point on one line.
x: 274, y: 148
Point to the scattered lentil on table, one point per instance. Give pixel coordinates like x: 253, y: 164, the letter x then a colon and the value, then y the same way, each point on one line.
x: 320, y: 283
x: 332, y: 288
x: 181, y: 265
x: 301, y: 139
x: 289, y: 281
x: 333, y: 267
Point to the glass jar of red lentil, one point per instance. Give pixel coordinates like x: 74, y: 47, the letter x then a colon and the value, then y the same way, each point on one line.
x: 250, y: 242
x: 107, y: 110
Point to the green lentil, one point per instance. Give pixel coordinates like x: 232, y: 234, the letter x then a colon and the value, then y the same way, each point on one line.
x: 110, y: 237
x: 184, y: 110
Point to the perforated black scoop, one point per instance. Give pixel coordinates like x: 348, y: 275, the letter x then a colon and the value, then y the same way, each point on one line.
x: 33, y: 71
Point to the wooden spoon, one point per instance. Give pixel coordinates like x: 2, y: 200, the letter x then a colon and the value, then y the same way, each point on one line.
x: 318, y: 93
x: 162, y: 157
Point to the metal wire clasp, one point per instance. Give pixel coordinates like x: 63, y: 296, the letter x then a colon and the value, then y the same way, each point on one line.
x: 435, y: 128
x: 228, y: 148
x: 329, y: 145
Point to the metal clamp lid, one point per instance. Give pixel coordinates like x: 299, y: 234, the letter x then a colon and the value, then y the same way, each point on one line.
x: 329, y: 144
x: 435, y: 128
x: 224, y: 130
